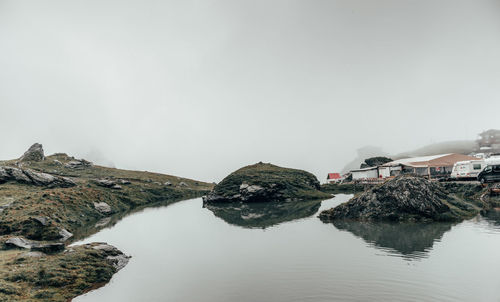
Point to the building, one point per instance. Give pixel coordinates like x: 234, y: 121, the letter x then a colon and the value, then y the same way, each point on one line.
x: 431, y: 166
x: 333, y: 177
x: 365, y: 174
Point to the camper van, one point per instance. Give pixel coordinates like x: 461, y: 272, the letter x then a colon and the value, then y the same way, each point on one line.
x: 467, y: 169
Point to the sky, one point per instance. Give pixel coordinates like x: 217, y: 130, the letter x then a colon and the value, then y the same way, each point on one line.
x: 201, y: 88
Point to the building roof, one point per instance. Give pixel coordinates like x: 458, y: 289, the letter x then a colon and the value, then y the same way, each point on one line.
x: 333, y: 176
x: 364, y: 169
x: 439, y: 160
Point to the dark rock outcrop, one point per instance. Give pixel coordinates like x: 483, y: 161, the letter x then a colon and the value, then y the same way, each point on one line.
x: 404, y: 198
x: 266, y: 182
x: 31, y: 177
x: 34, y: 153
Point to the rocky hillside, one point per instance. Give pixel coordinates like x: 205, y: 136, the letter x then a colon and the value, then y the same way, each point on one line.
x: 266, y: 182
x: 46, y: 202
x: 404, y: 198
x: 43, y: 197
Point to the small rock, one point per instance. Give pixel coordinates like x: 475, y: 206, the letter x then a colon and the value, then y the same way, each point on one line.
x: 119, y: 261
x: 124, y: 182
x: 183, y: 184
x: 167, y: 183
x: 102, y: 207
x: 42, y: 220
x: 33, y: 254
x: 6, y: 205
x: 65, y: 234
x: 105, y: 247
x: 253, y: 189
x: 115, y: 256
x: 78, y: 163
x: 103, y: 222
x: 105, y: 183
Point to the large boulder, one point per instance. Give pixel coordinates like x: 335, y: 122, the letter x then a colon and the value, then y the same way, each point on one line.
x: 404, y: 198
x: 31, y: 177
x: 266, y: 182
x: 34, y: 153
x: 45, y: 247
x: 78, y: 163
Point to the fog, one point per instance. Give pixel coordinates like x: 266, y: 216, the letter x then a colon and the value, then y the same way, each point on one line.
x: 201, y: 88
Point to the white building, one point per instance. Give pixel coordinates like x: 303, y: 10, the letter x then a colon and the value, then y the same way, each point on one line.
x: 365, y: 174
x: 433, y: 166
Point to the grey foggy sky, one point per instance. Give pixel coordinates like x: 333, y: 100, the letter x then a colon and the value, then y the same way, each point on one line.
x: 201, y: 88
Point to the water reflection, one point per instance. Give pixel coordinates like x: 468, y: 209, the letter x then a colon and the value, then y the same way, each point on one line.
x: 95, y: 225
x: 493, y: 218
x: 409, y: 240
x: 263, y: 214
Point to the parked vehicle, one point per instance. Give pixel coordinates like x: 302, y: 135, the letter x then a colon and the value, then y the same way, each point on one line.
x: 468, y: 169
x: 490, y: 174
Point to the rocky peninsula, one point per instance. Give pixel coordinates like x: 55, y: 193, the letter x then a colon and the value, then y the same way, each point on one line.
x: 47, y: 202
x: 264, y: 182
x: 406, y: 198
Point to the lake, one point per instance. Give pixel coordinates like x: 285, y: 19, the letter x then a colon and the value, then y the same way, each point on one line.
x: 184, y: 252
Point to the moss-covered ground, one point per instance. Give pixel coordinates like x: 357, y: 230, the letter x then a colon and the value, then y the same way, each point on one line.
x: 31, y: 276
x: 288, y: 183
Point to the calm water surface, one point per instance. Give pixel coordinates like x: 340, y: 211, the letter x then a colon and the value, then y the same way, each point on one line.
x: 184, y: 252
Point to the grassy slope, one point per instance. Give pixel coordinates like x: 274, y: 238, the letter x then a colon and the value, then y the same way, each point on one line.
x: 73, y: 209
x: 293, y: 183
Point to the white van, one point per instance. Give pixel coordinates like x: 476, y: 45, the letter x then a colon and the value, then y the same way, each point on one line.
x: 467, y: 169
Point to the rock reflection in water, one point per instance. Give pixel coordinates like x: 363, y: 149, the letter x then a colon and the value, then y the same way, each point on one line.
x: 263, y: 214
x: 493, y: 217
x: 409, y: 240
x: 95, y: 226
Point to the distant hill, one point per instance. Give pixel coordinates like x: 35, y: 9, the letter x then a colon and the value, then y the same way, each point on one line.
x: 460, y: 147
x: 363, y: 153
